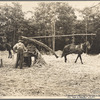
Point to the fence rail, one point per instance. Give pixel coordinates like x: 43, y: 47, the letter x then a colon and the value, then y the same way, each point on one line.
x: 63, y: 35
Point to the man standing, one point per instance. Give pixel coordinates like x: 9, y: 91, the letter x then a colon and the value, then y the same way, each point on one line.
x: 19, y: 48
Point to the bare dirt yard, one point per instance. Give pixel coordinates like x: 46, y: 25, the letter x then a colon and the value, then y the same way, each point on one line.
x: 57, y: 78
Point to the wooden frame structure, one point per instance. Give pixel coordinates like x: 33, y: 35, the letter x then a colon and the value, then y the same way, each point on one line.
x: 57, y: 36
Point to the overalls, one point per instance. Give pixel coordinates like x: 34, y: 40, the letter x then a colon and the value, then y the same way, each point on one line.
x: 20, y: 58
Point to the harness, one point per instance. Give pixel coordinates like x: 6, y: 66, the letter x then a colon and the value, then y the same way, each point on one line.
x: 81, y: 46
x: 76, y: 46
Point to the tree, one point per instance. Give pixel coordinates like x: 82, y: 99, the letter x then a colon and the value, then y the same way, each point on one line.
x: 91, y: 17
x: 60, y: 14
x: 14, y: 23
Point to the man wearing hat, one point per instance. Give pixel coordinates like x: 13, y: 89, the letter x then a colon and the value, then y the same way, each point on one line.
x: 19, y: 48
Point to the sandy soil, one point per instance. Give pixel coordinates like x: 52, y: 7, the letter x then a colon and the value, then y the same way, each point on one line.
x: 56, y: 79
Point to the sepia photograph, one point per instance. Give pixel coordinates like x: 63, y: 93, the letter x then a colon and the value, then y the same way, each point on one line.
x: 50, y: 49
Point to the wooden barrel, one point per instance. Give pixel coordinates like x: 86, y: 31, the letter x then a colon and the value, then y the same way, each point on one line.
x: 28, y: 54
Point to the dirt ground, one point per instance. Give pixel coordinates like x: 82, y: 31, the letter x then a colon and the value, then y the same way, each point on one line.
x: 56, y: 79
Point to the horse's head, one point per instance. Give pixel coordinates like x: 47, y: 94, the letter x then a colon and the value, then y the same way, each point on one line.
x: 88, y: 45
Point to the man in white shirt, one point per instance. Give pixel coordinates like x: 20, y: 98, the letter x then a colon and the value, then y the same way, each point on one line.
x: 19, y: 48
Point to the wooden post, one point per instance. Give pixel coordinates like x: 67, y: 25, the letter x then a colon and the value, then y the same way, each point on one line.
x: 86, y: 30
x: 54, y: 29
x: 14, y: 37
x: 54, y: 35
x: 1, y: 65
x: 73, y: 40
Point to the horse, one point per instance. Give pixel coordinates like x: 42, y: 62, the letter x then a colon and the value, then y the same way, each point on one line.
x: 6, y: 46
x: 76, y: 49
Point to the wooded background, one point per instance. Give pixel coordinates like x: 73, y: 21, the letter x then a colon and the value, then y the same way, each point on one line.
x: 48, y: 17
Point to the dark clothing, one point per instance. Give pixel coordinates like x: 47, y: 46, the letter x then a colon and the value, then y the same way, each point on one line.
x: 8, y: 47
x: 20, y: 58
x: 28, y: 61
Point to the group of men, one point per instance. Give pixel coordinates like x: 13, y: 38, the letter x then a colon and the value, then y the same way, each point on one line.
x: 20, y: 48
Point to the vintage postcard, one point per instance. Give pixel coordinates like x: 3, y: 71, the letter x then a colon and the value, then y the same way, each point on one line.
x: 50, y: 49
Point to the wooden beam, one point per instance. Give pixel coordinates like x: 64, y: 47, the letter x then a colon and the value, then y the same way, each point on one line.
x: 39, y: 43
x: 54, y: 36
x: 63, y: 36
x: 1, y: 65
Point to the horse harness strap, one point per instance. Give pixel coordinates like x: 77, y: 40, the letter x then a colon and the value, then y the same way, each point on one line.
x: 81, y: 46
x: 76, y: 46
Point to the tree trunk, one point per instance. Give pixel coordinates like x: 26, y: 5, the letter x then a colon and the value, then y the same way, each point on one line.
x: 39, y: 43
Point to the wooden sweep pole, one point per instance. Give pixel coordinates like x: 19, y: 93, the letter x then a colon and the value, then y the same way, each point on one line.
x: 39, y: 43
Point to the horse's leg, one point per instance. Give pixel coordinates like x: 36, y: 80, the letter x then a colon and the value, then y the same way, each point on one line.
x: 65, y: 56
x: 77, y: 58
x: 81, y: 59
x: 10, y: 54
